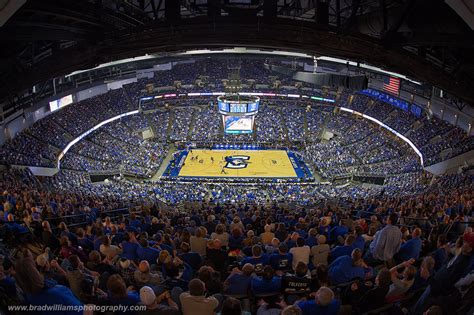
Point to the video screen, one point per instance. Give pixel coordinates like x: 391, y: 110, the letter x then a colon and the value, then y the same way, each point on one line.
x: 223, y: 106
x: 238, y: 108
x: 63, y: 101
x: 238, y: 125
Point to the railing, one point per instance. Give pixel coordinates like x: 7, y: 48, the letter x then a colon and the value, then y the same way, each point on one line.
x: 76, y: 220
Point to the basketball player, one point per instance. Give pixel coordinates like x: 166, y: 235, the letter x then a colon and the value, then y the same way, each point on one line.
x: 212, y: 160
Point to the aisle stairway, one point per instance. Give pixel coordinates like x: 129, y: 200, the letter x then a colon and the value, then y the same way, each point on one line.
x: 165, y: 163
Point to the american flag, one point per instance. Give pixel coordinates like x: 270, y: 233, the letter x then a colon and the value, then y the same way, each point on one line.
x: 391, y: 85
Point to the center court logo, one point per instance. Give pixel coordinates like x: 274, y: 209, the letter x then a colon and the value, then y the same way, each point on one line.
x: 237, y: 161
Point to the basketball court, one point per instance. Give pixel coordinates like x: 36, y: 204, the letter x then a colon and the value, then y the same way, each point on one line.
x: 237, y: 163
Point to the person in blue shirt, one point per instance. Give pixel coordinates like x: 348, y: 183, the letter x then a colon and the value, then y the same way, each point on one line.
x: 238, y: 282
x: 130, y: 246
x: 149, y: 254
x: 359, y: 241
x: 323, y: 304
x: 346, y: 268
x: 267, y: 284
x: 281, y: 261
x: 410, y: 249
x: 343, y: 250
x: 38, y: 291
x: 312, y: 239
x: 258, y: 259
x: 84, y: 241
x: 158, y: 239
x: 338, y: 231
x: 193, y: 259
x: 118, y: 295
x: 440, y: 255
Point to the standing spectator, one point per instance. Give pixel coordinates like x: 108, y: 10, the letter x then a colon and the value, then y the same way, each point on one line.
x: 387, y: 242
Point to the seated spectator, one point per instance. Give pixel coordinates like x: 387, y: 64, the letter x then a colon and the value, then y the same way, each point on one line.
x: 298, y: 283
x: 83, y: 241
x: 401, y: 283
x: 232, y: 306
x: 347, y: 268
x: 312, y: 240
x: 343, y: 250
x: 424, y: 274
x: 281, y: 261
x: 258, y: 259
x: 154, y: 304
x: 177, y: 274
x: 236, y: 239
x: 198, y: 241
x: 130, y: 246
x: 271, y: 305
x: 37, y: 292
x: 291, y: 310
x: 272, y: 247
x: 323, y: 303
x: 443, y: 282
x: 375, y: 297
x: 216, y: 257
x: 127, y: 270
x: 300, y: 253
x: 195, y: 302
x: 193, y: 259
x: 221, y: 235
x: 144, y: 277
x: 321, y: 277
x: 211, y: 279
x: 144, y: 252
x: 359, y: 241
x: 440, y: 255
x: 238, y: 282
x: 118, y: 294
x: 320, y: 252
x: 268, y: 235
x: 76, y: 274
x: 236, y: 224
x: 338, y: 232
x: 96, y: 264
x: 411, y: 248
x: 266, y: 284
x: 48, y: 237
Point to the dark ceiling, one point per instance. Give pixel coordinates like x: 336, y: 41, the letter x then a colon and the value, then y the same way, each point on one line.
x: 425, y: 40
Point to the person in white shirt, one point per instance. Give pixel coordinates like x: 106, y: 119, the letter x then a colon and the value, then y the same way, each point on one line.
x: 320, y: 252
x: 300, y: 253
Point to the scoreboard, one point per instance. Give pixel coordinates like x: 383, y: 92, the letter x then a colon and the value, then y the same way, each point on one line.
x: 234, y: 106
x: 238, y: 113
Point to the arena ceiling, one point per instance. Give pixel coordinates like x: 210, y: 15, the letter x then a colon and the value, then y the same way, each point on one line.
x: 424, y: 39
